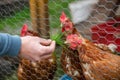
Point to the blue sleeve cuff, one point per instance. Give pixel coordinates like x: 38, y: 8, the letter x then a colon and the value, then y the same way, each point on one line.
x: 65, y: 77
x: 9, y: 45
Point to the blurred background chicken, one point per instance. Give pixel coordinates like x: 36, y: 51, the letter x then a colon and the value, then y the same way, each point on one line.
x: 41, y: 70
x: 83, y: 60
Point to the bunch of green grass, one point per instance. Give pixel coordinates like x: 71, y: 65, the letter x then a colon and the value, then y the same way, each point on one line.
x: 58, y: 38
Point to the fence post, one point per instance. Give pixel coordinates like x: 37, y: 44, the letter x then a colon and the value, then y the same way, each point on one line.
x: 40, y: 17
x: 33, y: 12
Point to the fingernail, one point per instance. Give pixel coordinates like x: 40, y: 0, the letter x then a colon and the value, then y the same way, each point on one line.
x: 54, y: 41
x: 49, y: 40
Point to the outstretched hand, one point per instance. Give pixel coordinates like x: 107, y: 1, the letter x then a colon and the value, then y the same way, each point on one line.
x: 35, y: 48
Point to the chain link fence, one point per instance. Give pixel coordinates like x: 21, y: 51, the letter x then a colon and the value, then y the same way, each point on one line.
x: 97, y: 20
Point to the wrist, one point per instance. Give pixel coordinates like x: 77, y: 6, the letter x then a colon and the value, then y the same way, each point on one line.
x: 21, y: 49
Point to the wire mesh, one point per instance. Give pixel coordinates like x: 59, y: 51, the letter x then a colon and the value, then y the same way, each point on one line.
x: 101, y: 25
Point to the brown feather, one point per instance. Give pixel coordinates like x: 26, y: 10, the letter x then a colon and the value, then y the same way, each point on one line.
x: 39, y: 70
x: 88, y: 61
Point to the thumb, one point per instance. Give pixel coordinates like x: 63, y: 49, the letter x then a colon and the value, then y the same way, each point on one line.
x: 45, y: 42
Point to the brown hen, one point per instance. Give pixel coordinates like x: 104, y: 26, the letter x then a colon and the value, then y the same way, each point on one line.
x: 40, y: 70
x: 83, y: 60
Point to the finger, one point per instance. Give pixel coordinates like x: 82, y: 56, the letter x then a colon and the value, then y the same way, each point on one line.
x: 52, y: 46
x: 27, y: 57
x: 45, y: 42
x: 36, y: 58
x: 45, y: 57
x: 49, y: 49
x: 31, y: 59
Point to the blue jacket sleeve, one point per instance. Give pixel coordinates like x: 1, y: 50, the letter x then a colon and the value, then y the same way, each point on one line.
x: 9, y: 45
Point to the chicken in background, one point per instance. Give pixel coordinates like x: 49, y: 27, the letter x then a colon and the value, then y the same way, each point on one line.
x: 39, y: 70
x: 83, y: 60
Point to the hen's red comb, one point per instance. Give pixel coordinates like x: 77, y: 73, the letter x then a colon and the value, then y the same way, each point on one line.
x: 63, y: 17
x: 24, y: 30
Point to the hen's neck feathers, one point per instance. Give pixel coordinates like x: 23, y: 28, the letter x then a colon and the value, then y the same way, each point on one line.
x: 89, y: 50
x: 32, y: 33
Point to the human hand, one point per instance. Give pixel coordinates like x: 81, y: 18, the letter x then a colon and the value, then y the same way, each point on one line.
x: 35, y: 48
